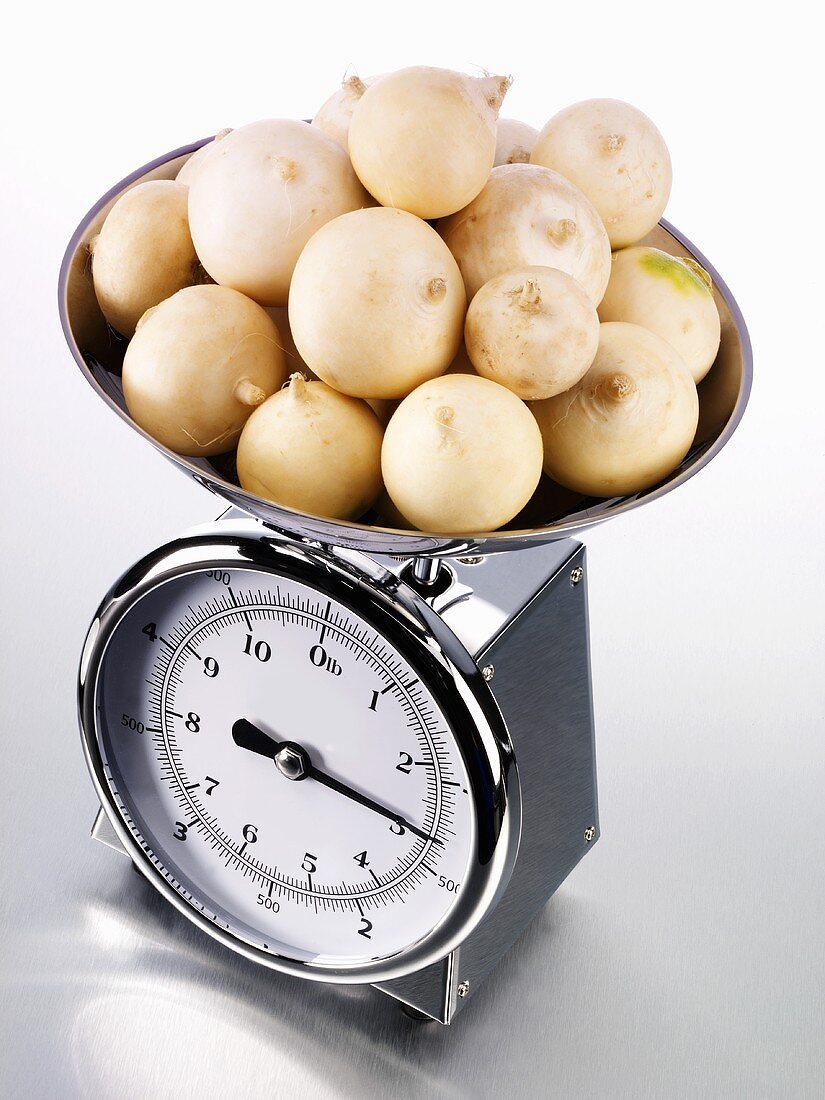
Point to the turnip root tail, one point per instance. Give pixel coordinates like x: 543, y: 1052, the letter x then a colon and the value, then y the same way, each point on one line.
x: 444, y: 417
x: 435, y: 288
x: 616, y: 387
x: 287, y: 169
x: 296, y: 384
x: 354, y: 85
x: 248, y: 393
x: 698, y: 271
x: 561, y: 231
x: 494, y: 89
x: 612, y: 143
x: 528, y: 296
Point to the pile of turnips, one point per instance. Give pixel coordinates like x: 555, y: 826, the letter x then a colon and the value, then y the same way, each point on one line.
x: 410, y: 305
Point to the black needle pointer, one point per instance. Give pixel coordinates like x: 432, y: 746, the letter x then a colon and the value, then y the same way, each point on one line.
x: 294, y: 762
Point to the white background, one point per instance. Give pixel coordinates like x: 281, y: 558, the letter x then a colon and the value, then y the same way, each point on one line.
x: 685, y: 955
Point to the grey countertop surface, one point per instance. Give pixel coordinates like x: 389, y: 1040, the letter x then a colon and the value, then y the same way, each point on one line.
x: 683, y: 957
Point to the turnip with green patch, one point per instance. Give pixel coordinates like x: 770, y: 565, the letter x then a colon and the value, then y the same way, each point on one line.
x: 670, y: 295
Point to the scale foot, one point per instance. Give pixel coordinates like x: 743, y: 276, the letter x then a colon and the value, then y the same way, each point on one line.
x: 414, y: 1014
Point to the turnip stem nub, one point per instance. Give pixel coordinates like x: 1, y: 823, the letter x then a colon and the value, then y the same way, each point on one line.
x: 248, y: 393
x: 530, y: 297
x: 617, y: 387
x: 297, y: 386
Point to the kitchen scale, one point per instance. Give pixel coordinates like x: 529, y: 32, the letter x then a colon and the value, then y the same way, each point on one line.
x: 349, y: 753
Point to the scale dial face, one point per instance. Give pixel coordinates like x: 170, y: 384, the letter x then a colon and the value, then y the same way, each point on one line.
x: 283, y: 767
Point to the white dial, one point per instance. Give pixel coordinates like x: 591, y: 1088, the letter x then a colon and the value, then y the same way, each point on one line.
x: 284, y: 767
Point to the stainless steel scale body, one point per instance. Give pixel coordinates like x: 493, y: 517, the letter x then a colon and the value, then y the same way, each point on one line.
x: 521, y: 623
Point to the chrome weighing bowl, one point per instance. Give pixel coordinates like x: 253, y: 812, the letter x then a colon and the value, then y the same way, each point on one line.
x: 553, y: 513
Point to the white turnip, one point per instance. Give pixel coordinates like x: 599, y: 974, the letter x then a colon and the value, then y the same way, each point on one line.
x: 617, y: 157
x: 514, y: 141
x: 144, y: 252
x: 314, y: 450
x: 186, y: 173
x: 627, y: 423
x: 377, y: 303
x: 424, y: 139
x: 197, y: 366
x: 669, y: 295
x: 461, y: 455
x: 335, y: 114
x: 529, y: 216
x: 533, y: 330
x: 259, y: 196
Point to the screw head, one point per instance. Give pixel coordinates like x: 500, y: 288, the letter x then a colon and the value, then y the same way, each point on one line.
x: 463, y: 988
x: 291, y: 761
x: 590, y: 833
x: 488, y: 672
x: 471, y: 561
x: 576, y: 575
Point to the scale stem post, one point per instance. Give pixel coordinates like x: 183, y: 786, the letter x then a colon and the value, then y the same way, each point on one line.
x: 425, y: 570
